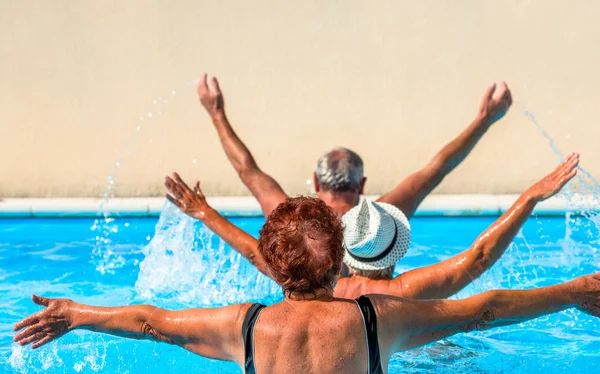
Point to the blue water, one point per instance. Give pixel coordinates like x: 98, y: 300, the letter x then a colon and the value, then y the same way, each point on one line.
x: 177, y: 263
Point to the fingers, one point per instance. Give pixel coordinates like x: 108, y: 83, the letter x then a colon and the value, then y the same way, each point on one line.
x: 32, y: 319
x: 570, y: 163
x: 33, y: 337
x: 39, y: 300
x: 31, y: 330
x: 197, y: 190
x: 489, y: 92
x: 40, y: 343
x: 181, y: 183
x: 174, y: 188
x: 569, y: 176
x: 507, y: 95
x: 202, y: 86
x: 502, y: 88
x: 173, y: 200
x: 567, y: 169
x: 214, y: 85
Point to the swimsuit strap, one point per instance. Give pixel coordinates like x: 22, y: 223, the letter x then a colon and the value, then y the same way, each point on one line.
x: 248, y: 335
x: 370, y: 321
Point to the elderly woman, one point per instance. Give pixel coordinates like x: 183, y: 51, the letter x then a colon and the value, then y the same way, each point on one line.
x: 311, y: 331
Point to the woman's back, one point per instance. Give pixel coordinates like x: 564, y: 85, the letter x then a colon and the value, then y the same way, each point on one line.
x: 311, y: 337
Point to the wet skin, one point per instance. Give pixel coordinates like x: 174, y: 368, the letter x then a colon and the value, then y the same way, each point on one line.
x: 303, y: 335
x: 440, y: 280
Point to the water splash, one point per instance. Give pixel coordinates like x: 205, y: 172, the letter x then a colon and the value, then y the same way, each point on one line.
x: 187, y: 264
x: 583, y: 197
x: 104, y: 255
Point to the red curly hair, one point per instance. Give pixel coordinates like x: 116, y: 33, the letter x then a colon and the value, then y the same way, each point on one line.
x: 302, y: 244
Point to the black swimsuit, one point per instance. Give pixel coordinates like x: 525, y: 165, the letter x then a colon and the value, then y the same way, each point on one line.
x: 370, y: 323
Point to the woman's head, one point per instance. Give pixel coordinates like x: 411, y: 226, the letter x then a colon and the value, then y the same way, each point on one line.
x: 302, y: 244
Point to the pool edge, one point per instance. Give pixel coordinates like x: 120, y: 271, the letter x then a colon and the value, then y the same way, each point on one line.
x: 247, y: 206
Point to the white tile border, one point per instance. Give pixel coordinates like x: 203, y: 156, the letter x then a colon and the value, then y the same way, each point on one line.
x: 243, y: 206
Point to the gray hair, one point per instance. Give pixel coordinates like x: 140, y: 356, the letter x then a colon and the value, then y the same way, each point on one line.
x: 340, y: 170
x: 387, y: 273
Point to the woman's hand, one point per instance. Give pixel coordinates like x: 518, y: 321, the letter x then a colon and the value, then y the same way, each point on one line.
x: 553, y: 182
x: 191, y: 202
x: 587, y: 291
x: 46, y: 325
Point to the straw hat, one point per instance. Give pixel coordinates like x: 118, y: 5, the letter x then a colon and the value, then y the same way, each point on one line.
x: 376, y: 235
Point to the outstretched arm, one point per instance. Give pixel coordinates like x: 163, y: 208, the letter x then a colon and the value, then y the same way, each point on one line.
x: 448, y: 277
x: 212, y: 333
x: 407, y: 323
x: 411, y: 191
x: 264, y: 188
x: 193, y: 203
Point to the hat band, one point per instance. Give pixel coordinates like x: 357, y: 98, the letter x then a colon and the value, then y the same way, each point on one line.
x: 382, y: 254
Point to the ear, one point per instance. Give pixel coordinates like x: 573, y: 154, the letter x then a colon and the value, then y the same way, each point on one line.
x: 316, y: 182
x: 362, y: 186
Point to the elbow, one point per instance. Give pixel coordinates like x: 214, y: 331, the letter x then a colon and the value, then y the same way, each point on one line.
x: 245, y: 166
x: 486, y: 314
x: 483, y: 260
x: 484, y: 320
x: 148, y: 325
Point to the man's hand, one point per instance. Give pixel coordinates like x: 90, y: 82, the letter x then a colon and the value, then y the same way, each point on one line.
x: 553, y: 182
x: 587, y: 291
x: 191, y: 202
x: 46, y: 325
x: 211, y: 97
x: 495, y: 103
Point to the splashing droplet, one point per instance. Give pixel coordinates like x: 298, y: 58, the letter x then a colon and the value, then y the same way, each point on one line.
x: 118, y: 163
x: 194, y: 161
x: 148, y: 237
x: 173, y: 93
x: 154, y: 102
x: 150, y: 114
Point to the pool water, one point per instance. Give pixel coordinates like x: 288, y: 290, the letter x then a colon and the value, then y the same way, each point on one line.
x: 174, y: 262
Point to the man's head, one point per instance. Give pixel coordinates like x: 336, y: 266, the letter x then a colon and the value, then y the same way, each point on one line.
x: 340, y: 170
x: 302, y: 244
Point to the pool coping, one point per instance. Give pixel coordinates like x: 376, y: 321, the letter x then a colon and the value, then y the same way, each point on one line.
x: 247, y: 206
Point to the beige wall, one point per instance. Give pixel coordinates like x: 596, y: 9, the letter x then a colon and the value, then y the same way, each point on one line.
x: 393, y: 80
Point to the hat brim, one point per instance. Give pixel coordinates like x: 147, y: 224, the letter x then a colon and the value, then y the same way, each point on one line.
x: 400, y: 245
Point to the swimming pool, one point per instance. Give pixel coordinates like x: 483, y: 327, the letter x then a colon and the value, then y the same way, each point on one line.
x: 177, y: 263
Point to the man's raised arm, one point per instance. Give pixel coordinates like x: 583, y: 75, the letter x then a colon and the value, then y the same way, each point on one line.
x: 411, y: 191
x: 213, y: 333
x: 446, y: 278
x: 264, y: 188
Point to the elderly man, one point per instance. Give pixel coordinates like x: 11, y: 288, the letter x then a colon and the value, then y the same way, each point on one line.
x: 339, y: 178
x: 340, y: 181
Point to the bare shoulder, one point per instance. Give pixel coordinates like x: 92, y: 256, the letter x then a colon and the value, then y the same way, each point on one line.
x: 393, y: 315
x: 386, y: 305
x: 232, y: 315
